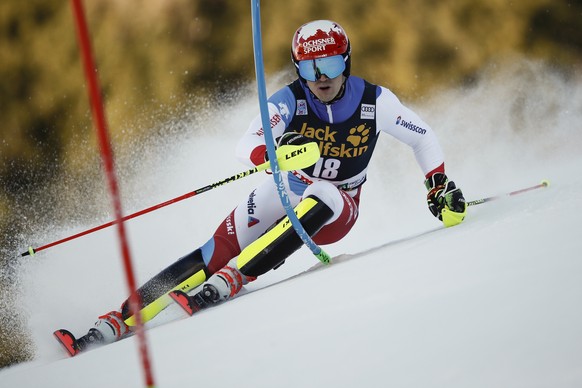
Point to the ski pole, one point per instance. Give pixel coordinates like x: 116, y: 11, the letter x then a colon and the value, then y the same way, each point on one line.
x: 323, y: 256
x: 290, y: 157
x: 544, y: 183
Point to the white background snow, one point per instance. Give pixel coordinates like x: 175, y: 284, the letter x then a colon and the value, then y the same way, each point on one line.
x: 493, y: 302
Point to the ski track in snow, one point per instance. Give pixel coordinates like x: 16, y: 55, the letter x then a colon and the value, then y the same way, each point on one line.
x: 493, y: 302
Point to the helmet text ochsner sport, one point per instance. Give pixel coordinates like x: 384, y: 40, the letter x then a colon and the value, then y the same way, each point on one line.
x: 317, y: 45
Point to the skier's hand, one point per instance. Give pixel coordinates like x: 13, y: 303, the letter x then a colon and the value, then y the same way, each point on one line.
x: 445, y: 199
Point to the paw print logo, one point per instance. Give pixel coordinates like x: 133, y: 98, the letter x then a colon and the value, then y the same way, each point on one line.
x: 359, y: 135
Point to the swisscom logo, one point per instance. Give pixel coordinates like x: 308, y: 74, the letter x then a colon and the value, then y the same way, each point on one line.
x: 410, y: 126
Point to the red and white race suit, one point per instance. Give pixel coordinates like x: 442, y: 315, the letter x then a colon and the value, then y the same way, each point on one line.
x: 346, y: 131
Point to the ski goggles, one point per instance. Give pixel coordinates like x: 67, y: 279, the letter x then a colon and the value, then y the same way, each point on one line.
x: 313, y: 69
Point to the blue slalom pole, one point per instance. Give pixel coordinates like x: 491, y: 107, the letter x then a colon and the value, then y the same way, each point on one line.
x: 270, y: 142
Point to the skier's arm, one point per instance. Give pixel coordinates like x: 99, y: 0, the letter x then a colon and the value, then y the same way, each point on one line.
x: 251, y: 148
x: 406, y: 126
x: 445, y: 200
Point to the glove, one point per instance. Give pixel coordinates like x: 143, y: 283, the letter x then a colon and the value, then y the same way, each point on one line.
x: 445, y: 199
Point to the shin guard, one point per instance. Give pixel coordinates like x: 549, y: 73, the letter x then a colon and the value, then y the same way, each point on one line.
x: 185, y: 274
x: 272, y: 248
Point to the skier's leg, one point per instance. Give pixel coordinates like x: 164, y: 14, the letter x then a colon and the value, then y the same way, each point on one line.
x: 346, y: 211
x: 267, y: 252
x: 273, y: 247
x: 109, y: 328
x: 254, y: 215
x: 325, y: 207
x: 185, y: 274
x: 248, y: 221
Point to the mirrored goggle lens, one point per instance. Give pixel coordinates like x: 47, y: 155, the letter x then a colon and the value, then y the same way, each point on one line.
x: 312, y: 69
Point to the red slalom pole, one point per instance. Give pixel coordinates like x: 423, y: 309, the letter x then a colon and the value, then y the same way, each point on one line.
x: 31, y: 251
x: 292, y: 158
x: 107, y: 156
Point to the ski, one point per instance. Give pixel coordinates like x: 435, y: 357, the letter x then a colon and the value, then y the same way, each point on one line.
x: 185, y: 301
x: 68, y: 340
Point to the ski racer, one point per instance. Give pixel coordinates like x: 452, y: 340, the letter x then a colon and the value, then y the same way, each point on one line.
x: 344, y: 115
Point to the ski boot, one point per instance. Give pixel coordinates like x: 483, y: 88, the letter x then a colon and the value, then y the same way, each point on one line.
x: 108, y: 328
x: 221, y: 286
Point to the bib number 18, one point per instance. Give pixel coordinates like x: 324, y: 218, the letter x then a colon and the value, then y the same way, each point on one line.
x: 326, y: 168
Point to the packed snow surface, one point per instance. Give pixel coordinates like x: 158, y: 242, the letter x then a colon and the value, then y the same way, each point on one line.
x: 493, y: 302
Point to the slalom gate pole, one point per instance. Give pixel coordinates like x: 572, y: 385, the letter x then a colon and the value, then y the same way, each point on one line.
x: 269, y: 141
x: 291, y: 157
x: 544, y: 183
x: 107, y: 156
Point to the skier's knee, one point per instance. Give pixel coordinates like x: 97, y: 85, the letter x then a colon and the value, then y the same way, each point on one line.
x: 329, y: 194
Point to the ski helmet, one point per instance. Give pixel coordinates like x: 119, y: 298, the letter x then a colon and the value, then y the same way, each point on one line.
x: 321, y: 39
